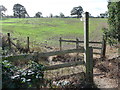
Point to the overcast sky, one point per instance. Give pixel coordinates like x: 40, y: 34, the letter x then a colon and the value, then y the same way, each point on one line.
x: 95, y: 7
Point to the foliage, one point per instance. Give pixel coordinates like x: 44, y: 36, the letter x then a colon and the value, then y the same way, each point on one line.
x: 13, y: 77
x: 19, y: 11
x: 62, y: 15
x: 38, y: 14
x: 51, y: 15
x: 114, y: 20
x: 77, y: 11
x: 2, y: 9
x: 107, y: 37
x: 7, y: 73
x: 104, y: 15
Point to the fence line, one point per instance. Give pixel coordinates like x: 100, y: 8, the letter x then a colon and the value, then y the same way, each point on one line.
x: 73, y: 41
x: 102, y: 48
x: 38, y: 55
x: 11, y: 43
x: 88, y: 54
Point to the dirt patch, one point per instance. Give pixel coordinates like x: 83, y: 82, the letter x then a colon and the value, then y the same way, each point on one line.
x: 106, y: 72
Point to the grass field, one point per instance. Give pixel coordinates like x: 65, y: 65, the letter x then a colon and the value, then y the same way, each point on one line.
x: 50, y: 29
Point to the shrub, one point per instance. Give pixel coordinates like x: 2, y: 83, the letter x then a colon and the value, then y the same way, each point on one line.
x: 12, y: 77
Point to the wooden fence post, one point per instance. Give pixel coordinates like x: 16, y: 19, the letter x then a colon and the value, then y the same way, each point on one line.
x: 77, y: 46
x: 9, y: 41
x: 35, y: 57
x: 103, y: 51
x: 28, y: 42
x: 86, y: 43
x: 60, y: 43
x: 77, y: 43
x: 90, y: 64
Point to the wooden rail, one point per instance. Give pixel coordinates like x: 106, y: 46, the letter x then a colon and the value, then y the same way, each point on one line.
x: 79, y: 41
x: 38, y: 55
x: 96, y: 48
x: 53, y: 67
x: 102, y: 48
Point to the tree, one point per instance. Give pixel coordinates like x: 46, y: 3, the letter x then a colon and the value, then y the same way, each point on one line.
x: 20, y: 11
x: 51, y: 15
x: 2, y: 9
x: 38, y: 14
x: 56, y: 16
x: 114, y: 20
x: 113, y: 32
x: 104, y: 15
x: 62, y: 15
x: 77, y: 11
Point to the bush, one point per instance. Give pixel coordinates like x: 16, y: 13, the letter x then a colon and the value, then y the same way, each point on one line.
x: 12, y: 77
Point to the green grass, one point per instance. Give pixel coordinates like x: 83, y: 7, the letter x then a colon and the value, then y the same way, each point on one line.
x: 41, y: 29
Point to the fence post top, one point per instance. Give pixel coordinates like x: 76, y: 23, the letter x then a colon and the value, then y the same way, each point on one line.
x: 86, y: 13
x: 8, y: 34
x: 60, y: 38
x: 77, y: 39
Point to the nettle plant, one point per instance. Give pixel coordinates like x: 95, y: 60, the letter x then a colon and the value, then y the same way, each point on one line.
x: 13, y: 77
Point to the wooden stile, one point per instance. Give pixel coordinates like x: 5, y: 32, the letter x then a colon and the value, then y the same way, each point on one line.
x: 88, y: 52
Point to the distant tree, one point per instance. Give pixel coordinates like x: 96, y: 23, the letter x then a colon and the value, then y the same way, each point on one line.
x: 2, y: 9
x: 38, y: 14
x: 51, y: 15
x: 56, y: 16
x: 62, y: 15
x: 19, y: 11
x: 104, y: 15
x: 77, y: 11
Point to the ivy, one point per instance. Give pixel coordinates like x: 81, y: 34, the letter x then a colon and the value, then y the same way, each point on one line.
x: 13, y: 77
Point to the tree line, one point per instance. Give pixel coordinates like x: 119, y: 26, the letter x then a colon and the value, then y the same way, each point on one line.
x: 19, y: 11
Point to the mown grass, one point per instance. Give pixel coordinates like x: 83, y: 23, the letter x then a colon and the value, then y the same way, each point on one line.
x: 41, y: 29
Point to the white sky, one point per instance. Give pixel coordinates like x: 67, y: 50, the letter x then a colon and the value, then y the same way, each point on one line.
x: 95, y: 7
